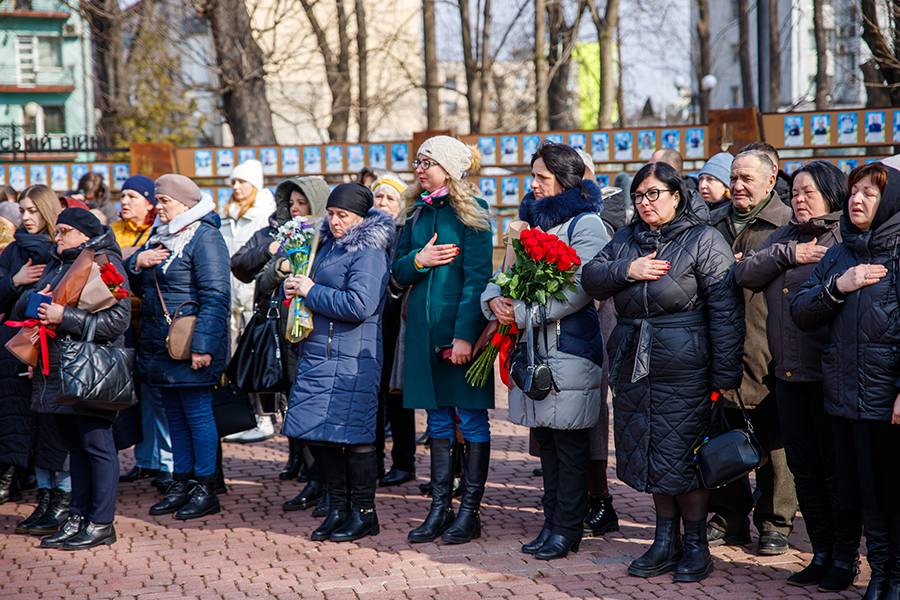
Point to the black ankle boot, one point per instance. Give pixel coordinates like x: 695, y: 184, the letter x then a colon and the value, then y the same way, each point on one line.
x: 813, y: 572
x: 323, y: 507
x: 91, y: 535
x: 334, y: 468
x: 696, y: 563
x: 878, y: 555
x: 362, y: 477
x: 294, y: 462
x: 467, y: 525
x: 55, y: 515
x: 601, y: 517
x: 43, y: 503
x: 306, y: 498
x: 535, y: 544
x: 203, y: 500
x: 69, y: 529
x: 440, y: 515
x: 557, y: 546
x: 840, y: 575
x: 177, y: 495
x: 9, y: 484
x: 664, y: 553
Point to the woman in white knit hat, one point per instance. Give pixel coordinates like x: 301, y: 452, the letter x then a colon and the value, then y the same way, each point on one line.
x: 246, y: 213
x: 444, y: 256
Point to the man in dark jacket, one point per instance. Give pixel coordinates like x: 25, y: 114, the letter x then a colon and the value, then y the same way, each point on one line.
x: 782, y: 179
x: 747, y: 223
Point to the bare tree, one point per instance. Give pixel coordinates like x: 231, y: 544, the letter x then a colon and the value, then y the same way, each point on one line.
x: 885, y: 54
x: 774, y: 55
x: 620, y: 84
x: 241, y: 70
x: 476, y: 53
x: 110, y: 60
x: 562, y: 41
x: 606, y: 26
x: 823, y: 80
x: 362, y: 99
x: 542, y: 113
x: 744, y: 52
x: 432, y: 99
x: 703, y: 65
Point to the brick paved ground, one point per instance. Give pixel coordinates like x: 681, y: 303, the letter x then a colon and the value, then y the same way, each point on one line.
x: 253, y: 550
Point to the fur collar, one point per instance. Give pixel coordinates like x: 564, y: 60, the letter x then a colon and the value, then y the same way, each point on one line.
x: 555, y: 210
x: 376, y: 231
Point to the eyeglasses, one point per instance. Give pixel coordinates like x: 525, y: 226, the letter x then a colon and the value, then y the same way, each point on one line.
x: 62, y: 232
x: 651, y: 195
x: 424, y: 163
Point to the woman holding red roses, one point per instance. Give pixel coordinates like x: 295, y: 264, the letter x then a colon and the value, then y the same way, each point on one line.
x: 563, y: 204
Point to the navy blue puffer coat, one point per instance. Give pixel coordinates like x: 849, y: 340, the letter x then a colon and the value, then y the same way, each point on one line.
x: 335, y: 396
x: 200, y: 273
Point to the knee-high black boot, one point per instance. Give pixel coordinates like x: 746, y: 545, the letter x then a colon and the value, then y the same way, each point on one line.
x: 362, y: 476
x: 467, y: 525
x: 295, y: 460
x: 440, y: 515
x: 334, y: 469
x: 878, y: 554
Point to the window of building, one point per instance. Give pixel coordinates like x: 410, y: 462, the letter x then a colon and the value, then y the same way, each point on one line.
x: 50, y: 52
x: 735, y: 95
x: 735, y: 53
x: 54, y: 119
x: 21, y: 4
x: 30, y: 124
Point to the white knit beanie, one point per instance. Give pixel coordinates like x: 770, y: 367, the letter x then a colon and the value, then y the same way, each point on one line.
x: 450, y: 153
x: 250, y: 171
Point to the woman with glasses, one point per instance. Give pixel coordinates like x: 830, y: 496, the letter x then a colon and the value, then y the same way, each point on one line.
x: 444, y: 256
x: 679, y: 337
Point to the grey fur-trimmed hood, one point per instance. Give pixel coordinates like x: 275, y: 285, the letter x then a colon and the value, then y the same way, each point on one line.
x: 376, y: 231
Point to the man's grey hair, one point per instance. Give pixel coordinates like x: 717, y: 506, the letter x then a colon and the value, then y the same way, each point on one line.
x: 764, y: 159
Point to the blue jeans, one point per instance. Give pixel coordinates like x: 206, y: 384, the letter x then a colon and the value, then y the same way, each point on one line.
x: 155, y: 451
x: 47, y: 480
x: 193, y: 429
x: 473, y: 423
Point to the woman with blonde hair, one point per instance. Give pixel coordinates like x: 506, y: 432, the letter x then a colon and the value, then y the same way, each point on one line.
x: 444, y: 257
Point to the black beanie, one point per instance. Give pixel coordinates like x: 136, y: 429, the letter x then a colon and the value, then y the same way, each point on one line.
x: 82, y: 220
x: 352, y: 197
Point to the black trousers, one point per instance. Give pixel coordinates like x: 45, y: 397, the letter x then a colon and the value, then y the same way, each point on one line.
x: 565, y: 455
x: 403, y: 431
x: 774, y: 504
x: 93, y: 465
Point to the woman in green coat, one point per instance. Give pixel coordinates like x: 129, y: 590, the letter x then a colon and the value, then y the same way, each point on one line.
x: 444, y: 256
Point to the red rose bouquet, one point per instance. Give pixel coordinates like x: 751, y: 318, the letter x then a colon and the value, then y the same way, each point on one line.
x: 544, y: 269
x: 110, y: 276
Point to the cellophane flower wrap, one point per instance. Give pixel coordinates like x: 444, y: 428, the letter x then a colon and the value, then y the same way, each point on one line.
x: 544, y: 269
x: 298, y: 238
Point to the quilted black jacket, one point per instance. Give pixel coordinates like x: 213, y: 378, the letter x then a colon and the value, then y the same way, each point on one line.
x: 676, y: 340
x: 861, y: 360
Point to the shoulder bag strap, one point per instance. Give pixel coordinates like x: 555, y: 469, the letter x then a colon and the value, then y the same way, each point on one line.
x: 571, y: 228
x: 162, y: 302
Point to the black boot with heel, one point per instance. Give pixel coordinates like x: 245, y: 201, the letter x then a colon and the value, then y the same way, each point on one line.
x: 664, y: 553
x: 362, y: 477
x: 467, y: 525
x: 440, y: 515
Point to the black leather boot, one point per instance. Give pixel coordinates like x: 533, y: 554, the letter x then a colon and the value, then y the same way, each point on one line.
x: 601, y: 517
x: 467, y: 525
x: 440, y: 515
x: 323, y: 506
x: 43, y: 503
x: 696, y: 563
x: 362, y: 520
x: 893, y: 589
x: 878, y: 554
x: 535, y: 544
x: 557, y: 546
x: 840, y: 575
x: 92, y: 534
x: 202, y: 501
x: 334, y: 467
x: 177, y: 495
x: 69, y: 529
x: 9, y: 484
x: 813, y: 572
x: 55, y: 515
x: 664, y: 553
x: 306, y: 498
x: 294, y: 462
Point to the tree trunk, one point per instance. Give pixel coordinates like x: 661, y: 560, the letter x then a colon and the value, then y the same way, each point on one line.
x: 703, y: 61
x: 108, y: 50
x: 541, y: 109
x: 241, y: 68
x: 744, y: 52
x: 485, y: 68
x: 884, y: 54
x: 823, y: 81
x: 774, y: 55
x: 562, y: 39
x: 620, y: 84
x: 431, y: 66
x: 876, y: 93
x: 470, y: 64
x: 500, y: 94
x: 606, y: 26
x: 362, y: 71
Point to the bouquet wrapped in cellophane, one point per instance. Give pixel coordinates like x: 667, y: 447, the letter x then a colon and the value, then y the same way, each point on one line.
x: 299, y: 238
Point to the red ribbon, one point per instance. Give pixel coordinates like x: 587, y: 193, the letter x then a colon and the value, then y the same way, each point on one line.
x: 505, y: 343
x: 43, y: 333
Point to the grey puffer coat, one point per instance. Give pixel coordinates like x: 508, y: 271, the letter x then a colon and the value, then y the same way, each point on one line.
x: 677, y: 339
x: 773, y: 269
x: 575, y: 353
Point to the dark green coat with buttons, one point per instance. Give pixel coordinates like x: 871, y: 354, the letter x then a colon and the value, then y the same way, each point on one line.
x: 443, y: 304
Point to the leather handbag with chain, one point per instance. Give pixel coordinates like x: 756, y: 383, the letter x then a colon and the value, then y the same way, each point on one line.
x: 181, y: 327
x: 528, y: 369
x: 728, y: 456
x: 96, y: 376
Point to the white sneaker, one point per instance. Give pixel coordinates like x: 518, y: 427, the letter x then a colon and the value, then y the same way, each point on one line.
x: 264, y: 430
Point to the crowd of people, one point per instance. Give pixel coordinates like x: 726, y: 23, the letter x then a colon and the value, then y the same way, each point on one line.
x: 742, y: 298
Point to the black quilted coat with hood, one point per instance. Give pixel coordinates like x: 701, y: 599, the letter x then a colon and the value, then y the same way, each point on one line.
x: 676, y: 340
x: 861, y: 360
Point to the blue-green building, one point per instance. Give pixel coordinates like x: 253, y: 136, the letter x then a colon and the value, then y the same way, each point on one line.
x: 45, y: 69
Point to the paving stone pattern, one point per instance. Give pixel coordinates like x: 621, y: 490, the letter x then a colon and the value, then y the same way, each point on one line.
x: 254, y: 550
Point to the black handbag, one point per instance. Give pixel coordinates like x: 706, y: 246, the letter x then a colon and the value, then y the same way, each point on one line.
x: 528, y: 369
x: 728, y: 456
x: 95, y: 376
x: 259, y: 362
x: 232, y: 410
